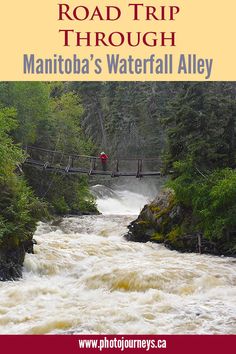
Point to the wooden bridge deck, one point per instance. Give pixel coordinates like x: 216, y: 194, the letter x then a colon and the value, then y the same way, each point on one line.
x: 55, y: 161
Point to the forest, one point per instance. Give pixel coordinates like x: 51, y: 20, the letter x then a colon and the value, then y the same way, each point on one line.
x: 191, y: 126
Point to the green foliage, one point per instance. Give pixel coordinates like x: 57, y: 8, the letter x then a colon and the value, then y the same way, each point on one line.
x: 201, y: 126
x: 31, y: 101
x: 30, y: 115
x: 123, y: 118
x: 19, y: 209
x: 212, y: 198
x: 71, y: 195
x: 84, y: 199
x: 66, y: 131
x: 60, y: 206
x: 201, y: 147
x: 175, y: 233
x: 216, y: 203
x: 10, y: 155
x: 157, y: 237
x: 63, y: 132
x: 94, y: 121
x: 65, y: 194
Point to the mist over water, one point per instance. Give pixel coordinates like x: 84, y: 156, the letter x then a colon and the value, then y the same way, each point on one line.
x: 120, y: 202
x: 127, y: 196
x: 86, y: 278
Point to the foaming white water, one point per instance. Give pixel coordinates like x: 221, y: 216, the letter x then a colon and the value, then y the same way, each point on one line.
x: 125, y: 203
x: 85, y: 278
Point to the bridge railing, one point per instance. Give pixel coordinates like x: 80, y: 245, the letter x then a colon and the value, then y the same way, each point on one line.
x: 73, y: 163
x: 138, y: 165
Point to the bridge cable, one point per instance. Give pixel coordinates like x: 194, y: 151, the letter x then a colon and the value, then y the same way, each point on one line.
x: 55, y: 172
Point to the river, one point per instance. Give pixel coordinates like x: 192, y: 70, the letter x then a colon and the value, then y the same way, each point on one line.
x: 86, y: 278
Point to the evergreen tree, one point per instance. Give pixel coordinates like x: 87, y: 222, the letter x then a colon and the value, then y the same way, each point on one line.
x: 201, y: 127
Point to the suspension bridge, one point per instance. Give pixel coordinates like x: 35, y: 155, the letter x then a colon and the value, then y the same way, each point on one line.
x: 57, y: 161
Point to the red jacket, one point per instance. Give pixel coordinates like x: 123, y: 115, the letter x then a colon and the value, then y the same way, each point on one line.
x: 103, y: 157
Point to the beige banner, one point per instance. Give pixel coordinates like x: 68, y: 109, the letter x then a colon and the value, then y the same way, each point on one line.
x: 78, y: 40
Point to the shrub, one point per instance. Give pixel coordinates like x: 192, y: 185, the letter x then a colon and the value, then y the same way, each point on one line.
x: 211, y: 197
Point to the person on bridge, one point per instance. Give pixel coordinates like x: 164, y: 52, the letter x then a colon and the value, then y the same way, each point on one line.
x: 104, y: 158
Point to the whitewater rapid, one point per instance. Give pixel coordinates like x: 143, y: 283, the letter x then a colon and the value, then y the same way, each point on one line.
x: 86, y: 278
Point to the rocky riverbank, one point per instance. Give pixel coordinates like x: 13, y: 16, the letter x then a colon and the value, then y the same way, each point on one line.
x: 167, y: 222
x: 12, y: 259
x: 13, y: 250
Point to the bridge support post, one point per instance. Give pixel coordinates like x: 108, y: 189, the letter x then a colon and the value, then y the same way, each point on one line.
x: 140, y: 168
x: 92, y: 165
x: 67, y: 169
x: 199, y: 238
x: 117, y: 165
x: 116, y: 170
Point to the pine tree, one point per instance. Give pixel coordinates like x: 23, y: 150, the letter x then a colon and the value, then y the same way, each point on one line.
x: 201, y: 127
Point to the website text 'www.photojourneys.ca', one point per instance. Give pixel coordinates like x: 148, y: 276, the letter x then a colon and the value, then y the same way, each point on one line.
x: 122, y: 343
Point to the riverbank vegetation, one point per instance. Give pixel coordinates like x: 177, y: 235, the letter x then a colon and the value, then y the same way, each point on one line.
x: 48, y: 116
x: 43, y: 115
x: 18, y: 205
x: 200, y: 126
x: 201, y: 146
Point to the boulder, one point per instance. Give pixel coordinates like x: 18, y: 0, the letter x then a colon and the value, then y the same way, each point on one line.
x: 167, y: 222
x: 12, y: 259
